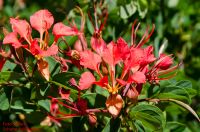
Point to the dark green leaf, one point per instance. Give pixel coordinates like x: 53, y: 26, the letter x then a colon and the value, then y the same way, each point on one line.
x: 95, y: 100
x: 35, y: 117
x: 174, y: 126
x: 151, y: 116
x: 63, y: 78
x: 54, y: 67
x: 112, y: 126
x: 175, y: 92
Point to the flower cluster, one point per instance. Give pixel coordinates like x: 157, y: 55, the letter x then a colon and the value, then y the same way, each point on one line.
x: 39, y: 47
x: 137, y: 63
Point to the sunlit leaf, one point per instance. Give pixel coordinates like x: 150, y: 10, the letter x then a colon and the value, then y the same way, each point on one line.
x: 151, y: 116
x: 127, y: 10
x: 45, y: 104
x: 4, y: 103
x: 10, y: 76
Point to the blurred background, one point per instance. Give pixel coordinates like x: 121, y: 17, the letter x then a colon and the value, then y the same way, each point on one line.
x: 177, y: 28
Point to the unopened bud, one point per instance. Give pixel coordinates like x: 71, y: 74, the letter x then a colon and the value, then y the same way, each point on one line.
x: 92, y: 119
x: 165, y: 62
x: 132, y: 94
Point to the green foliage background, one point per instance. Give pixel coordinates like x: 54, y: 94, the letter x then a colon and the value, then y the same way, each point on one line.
x: 177, y: 24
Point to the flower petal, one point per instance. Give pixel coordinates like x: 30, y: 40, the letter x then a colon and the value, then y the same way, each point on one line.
x: 138, y: 77
x: 98, y: 45
x: 60, y: 29
x: 102, y: 82
x: 43, y: 68
x: 42, y: 20
x: 114, y: 104
x: 11, y: 38
x: 22, y: 27
x: 114, y: 53
x: 90, y: 59
x: 148, y: 56
x: 34, y: 48
x: 86, y: 80
x: 53, y: 50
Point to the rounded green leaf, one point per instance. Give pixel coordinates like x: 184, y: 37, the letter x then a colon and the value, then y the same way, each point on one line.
x: 150, y: 116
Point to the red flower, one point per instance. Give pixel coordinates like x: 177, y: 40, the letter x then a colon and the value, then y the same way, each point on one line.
x: 114, y: 53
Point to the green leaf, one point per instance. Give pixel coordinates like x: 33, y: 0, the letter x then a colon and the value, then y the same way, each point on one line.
x: 35, y: 117
x: 54, y: 67
x: 123, y: 2
x: 9, y: 66
x: 4, y: 102
x: 63, y: 86
x: 45, y: 104
x: 44, y: 90
x: 150, y: 116
x: 10, y: 76
x: 128, y: 10
x: 89, y: 26
x: 142, y: 8
x: 186, y: 106
x: 184, y: 84
x: 95, y: 100
x: 172, y: 3
x: 181, y: 90
x: 175, y: 92
x: 18, y: 105
x: 174, y: 126
x: 113, y: 125
x: 187, y: 85
x: 63, y: 78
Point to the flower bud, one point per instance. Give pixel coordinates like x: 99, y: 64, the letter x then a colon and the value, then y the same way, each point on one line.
x: 132, y: 94
x: 164, y: 62
x: 92, y: 119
